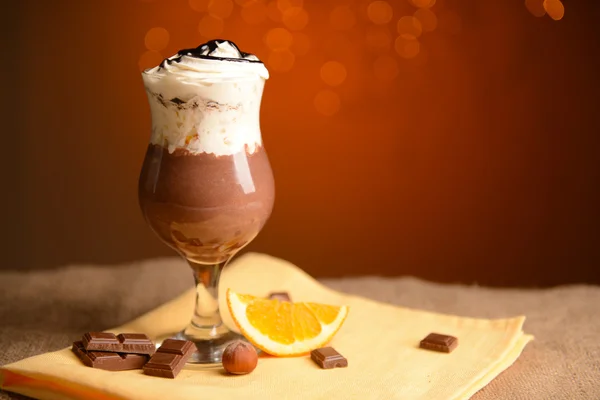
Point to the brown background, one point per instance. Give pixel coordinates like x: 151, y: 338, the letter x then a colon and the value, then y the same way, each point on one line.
x: 476, y: 163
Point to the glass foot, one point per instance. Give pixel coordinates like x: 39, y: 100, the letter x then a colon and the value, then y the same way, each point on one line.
x: 206, y: 329
x: 209, y: 352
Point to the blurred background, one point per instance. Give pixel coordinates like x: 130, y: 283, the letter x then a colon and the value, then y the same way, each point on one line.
x: 453, y: 140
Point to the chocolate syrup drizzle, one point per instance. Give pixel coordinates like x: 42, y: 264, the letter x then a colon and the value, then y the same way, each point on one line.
x: 211, y: 46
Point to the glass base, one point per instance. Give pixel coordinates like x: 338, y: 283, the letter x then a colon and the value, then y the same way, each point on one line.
x: 206, y: 328
x: 209, y: 352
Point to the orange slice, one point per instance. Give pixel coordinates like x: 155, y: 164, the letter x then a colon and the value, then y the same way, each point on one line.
x: 282, y: 328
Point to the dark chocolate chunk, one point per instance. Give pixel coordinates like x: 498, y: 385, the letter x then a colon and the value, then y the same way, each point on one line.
x: 137, y: 343
x: 107, y: 360
x: 101, y: 341
x: 212, y: 105
x: 439, y: 342
x: 170, y: 358
x: 164, y: 365
x: 328, y: 357
x: 179, y: 347
x: 281, y: 296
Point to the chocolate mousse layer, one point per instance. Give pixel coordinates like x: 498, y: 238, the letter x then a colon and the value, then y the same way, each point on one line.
x: 204, y: 206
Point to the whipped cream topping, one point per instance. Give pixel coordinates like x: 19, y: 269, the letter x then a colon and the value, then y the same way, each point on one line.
x: 207, y: 99
x: 211, y: 62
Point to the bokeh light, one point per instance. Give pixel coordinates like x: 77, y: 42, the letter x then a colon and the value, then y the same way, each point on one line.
x: 380, y: 12
x: 254, y: 12
x: 536, y: 7
x: 378, y: 39
x: 423, y: 3
x: 555, y: 9
x: 295, y: 18
x: 278, y: 39
x: 385, y: 68
x: 427, y: 18
x: 407, y: 47
x: 281, y: 60
x: 409, y: 27
x: 284, y: 5
x: 300, y: 44
x: 385, y: 30
x: 273, y: 12
x: 220, y: 8
x: 199, y: 5
x: 156, y: 39
x: 342, y: 18
x: 210, y: 26
x: 327, y: 102
x: 333, y: 73
x: 150, y: 59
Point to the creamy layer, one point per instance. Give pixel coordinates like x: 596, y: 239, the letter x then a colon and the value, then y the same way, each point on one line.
x: 207, y: 99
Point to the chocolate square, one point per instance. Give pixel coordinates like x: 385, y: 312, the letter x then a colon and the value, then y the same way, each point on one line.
x: 328, y: 357
x: 439, y: 342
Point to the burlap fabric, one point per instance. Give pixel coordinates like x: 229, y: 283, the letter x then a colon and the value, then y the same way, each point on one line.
x: 46, y: 310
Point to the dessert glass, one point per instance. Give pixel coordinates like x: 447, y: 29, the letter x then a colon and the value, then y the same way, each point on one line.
x: 206, y: 186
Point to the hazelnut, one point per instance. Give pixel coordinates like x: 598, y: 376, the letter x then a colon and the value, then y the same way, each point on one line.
x: 239, y: 358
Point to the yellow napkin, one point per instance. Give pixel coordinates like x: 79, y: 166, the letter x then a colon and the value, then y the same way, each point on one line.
x: 379, y: 340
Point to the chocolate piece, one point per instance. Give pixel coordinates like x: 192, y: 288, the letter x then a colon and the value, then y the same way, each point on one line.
x: 164, y: 365
x: 108, y: 361
x: 101, y: 341
x: 178, y: 347
x: 170, y: 358
x: 327, y: 358
x: 439, y: 342
x: 137, y: 343
x: 281, y: 296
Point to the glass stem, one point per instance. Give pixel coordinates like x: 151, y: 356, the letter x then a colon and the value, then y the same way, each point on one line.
x: 206, y: 322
